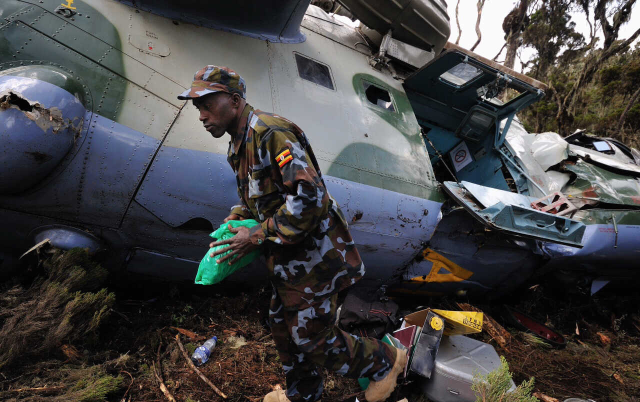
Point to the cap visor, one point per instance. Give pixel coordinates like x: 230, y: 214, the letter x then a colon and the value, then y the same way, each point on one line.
x: 185, y: 95
x: 197, y: 92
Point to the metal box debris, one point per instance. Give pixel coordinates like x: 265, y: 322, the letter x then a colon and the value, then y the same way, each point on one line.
x: 458, y: 359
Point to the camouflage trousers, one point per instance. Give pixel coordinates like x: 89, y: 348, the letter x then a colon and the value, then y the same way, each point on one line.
x: 308, y: 339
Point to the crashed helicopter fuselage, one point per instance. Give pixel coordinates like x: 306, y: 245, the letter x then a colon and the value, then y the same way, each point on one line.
x: 99, y: 153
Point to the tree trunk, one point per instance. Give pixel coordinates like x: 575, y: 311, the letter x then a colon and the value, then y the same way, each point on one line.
x: 611, y: 31
x: 623, y: 116
x: 590, y: 68
x: 458, y: 24
x: 478, y: 32
x: 513, y: 36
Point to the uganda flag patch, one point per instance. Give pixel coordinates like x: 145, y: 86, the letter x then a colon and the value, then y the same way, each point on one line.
x: 284, y: 157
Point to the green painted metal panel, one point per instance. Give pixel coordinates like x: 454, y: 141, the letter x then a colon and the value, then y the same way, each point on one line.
x: 598, y: 184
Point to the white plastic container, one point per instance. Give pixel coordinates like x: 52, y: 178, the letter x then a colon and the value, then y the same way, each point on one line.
x: 458, y: 358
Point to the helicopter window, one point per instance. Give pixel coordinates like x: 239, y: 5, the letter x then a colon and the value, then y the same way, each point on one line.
x: 378, y: 96
x: 460, y: 74
x: 313, y: 71
x: 602, y: 146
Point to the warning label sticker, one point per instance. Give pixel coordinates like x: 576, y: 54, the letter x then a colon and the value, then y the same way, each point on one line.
x: 460, y: 156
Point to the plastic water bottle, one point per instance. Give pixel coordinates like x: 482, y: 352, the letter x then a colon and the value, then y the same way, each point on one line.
x: 202, y: 353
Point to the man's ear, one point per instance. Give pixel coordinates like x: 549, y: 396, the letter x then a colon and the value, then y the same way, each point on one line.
x: 235, y: 99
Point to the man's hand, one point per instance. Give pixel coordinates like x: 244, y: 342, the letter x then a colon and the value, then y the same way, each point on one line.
x: 233, y: 217
x: 239, y: 245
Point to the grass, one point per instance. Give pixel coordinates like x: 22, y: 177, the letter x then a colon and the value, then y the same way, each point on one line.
x: 495, y: 386
x: 95, y: 386
x: 61, y: 306
x: 114, y: 352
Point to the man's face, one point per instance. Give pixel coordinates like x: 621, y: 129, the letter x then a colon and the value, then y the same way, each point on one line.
x: 217, y: 111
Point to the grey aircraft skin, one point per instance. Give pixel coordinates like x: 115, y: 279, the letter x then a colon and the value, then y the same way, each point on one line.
x: 433, y: 171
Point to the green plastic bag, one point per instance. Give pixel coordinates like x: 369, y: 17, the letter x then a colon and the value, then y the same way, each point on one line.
x: 209, y: 271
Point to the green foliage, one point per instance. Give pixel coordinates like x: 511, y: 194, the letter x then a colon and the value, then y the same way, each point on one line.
x: 494, y: 386
x: 550, y: 31
x: 599, y: 104
x: 190, y: 348
x: 590, y: 84
x: 95, y: 387
x: 610, y: 73
x: 533, y: 340
x: 61, y: 308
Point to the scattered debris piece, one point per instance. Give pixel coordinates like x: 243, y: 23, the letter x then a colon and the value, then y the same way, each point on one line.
x: 545, y: 398
x: 461, y: 322
x: 427, y: 344
x: 459, y: 361
x: 236, y: 342
x: 555, y: 203
x: 618, y: 378
x: 121, y: 351
x: 535, y: 341
x: 202, y: 353
x: 190, y: 334
x: 527, y: 324
x: 195, y: 369
x: 495, y: 330
x: 604, y: 339
x: 36, y: 247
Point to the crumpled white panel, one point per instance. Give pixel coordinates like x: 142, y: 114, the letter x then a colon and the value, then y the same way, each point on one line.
x: 549, y: 149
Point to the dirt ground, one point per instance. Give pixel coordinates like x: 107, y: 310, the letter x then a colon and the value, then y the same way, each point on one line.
x: 136, y: 323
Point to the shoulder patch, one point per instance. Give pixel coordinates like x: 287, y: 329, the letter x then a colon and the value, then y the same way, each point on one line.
x: 254, y: 120
x: 284, y: 157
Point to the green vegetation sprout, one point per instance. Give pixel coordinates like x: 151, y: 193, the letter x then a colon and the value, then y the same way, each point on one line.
x: 494, y: 387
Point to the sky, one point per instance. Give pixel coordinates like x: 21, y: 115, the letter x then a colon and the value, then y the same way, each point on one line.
x: 493, y: 14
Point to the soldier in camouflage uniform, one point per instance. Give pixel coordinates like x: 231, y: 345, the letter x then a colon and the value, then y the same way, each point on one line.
x: 309, y: 251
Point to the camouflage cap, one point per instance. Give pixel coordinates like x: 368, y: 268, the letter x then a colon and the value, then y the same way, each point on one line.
x: 212, y: 79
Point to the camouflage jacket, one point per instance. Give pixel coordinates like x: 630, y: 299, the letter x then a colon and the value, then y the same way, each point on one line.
x: 309, y: 250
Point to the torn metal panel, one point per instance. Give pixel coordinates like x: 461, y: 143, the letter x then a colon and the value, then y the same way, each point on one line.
x: 512, y: 214
x: 45, y: 118
x: 535, y: 155
x: 548, y: 149
x: 605, y: 161
x: 490, y: 196
x: 594, y: 184
x: 39, y: 123
x: 586, y: 176
x: 608, y: 146
x: 463, y: 256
